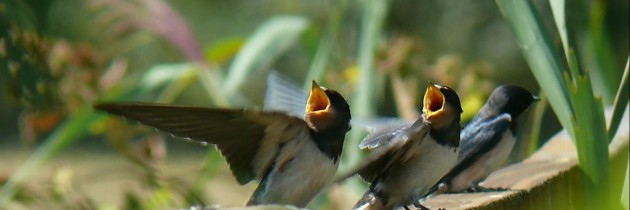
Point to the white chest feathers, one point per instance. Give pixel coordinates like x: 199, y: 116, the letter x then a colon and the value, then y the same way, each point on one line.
x: 298, y: 175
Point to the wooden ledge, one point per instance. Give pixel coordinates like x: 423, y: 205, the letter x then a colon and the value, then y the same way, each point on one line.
x: 546, y: 180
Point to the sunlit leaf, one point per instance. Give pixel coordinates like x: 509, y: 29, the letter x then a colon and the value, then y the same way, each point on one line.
x: 533, y: 39
x: 160, y: 75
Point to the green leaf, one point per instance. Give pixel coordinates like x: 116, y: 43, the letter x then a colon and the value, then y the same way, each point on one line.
x: 591, y: 140
x: 558, y: 7
x: 624, y: 192
x: 620, y: 103
x: 533, y: 39
x: 599, y: 54
x: 269, y: 41
x: 160, y: 75
x: 318, y: 66
x: 570, y: 93
x: 362, y: 103
x: 326, y: 44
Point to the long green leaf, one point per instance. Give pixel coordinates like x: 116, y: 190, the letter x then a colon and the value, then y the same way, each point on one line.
x: 269, y: 41
x: 604, y: 71
x: 318, y: 66
x: 583, y: 116
x: 161, y: 75
x: 559, y: 14
x: 326, y: 44
x: 621, y: 100
x: 542, y: 58
x: 591, y: 141
x: 624, y: 193
x: 362, y: 103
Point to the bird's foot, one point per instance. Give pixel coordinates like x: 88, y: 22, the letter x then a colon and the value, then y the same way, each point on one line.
x: 477, y: 188
x: 419, y: 206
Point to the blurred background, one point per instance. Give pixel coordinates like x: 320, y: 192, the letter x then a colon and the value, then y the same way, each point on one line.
x: 58, y: 57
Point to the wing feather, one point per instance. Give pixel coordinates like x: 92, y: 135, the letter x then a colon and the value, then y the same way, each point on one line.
x: 476, y: 137
x: 237, y: 133
x: 388, y: 148
x: 283, y: 95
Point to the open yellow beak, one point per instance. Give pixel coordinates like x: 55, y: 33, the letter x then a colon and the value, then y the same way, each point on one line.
x: 318, y: 102
x: 433, y: 101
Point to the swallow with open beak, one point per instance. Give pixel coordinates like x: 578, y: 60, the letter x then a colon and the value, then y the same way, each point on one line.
x: 293, y: 158
x: 486, y: 142
x: 406, y: 161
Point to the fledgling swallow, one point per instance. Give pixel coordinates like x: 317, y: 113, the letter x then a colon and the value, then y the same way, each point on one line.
x: 406, y: 161
x: 486, y: 142
x: 293, y: 158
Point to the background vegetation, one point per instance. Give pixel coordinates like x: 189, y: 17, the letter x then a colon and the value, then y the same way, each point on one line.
x: 58, y: 57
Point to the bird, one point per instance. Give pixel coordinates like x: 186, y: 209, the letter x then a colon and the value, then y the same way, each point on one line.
x: 294, y: 158
x: 406, y: 161
x: 487, y: 141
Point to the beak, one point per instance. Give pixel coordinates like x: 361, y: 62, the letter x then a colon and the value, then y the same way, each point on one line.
x: 433, y: 101
x: 318, y: 101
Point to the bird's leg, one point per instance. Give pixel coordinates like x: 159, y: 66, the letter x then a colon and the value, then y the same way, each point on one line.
x: 417, y: 204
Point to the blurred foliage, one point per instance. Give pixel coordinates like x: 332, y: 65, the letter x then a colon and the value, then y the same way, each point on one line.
x: 58, y: 57
x: 571, y: 85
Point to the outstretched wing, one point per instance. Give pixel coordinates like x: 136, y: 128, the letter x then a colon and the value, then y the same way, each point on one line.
x: 388, y: 147
x: 237, y: 133
x: 374, y: 125
x: 283, y: 95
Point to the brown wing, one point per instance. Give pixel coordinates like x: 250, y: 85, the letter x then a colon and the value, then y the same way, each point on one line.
x: 237, y: 133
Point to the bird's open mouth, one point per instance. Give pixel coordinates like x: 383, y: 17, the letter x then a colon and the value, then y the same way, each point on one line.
x: 433, y: 100
x: 318, y: 101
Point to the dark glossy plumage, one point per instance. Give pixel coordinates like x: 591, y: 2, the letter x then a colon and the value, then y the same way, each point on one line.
x: 488, y: 139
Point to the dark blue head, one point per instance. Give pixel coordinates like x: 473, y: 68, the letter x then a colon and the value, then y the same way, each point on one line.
x: 510, y: 99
